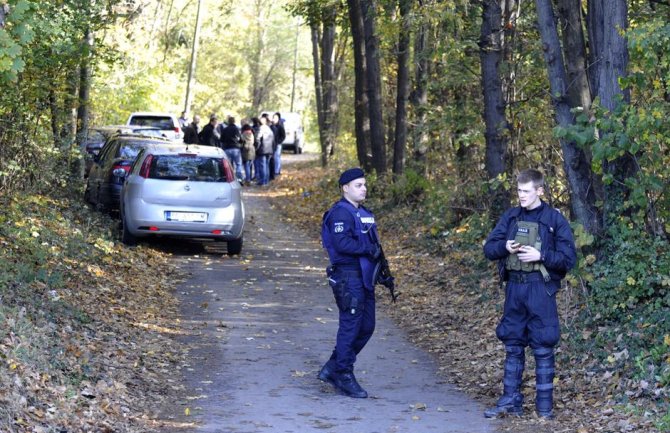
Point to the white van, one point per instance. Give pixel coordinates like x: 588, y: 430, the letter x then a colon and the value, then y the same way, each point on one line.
x: 295, y: 137
x: 166, y: 122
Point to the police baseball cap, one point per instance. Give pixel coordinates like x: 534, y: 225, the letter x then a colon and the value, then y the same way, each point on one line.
x: 351, y: 174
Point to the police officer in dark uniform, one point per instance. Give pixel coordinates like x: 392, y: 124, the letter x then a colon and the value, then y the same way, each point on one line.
x: 349, y: 235
x: 534, y: 246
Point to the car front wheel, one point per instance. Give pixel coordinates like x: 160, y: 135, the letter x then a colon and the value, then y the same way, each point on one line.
x: 234, y: 247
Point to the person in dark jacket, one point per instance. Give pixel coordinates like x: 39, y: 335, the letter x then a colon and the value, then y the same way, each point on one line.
x: 209, y: 136
x: 256, y: 129
x: 231, y: 142
x: 535, y: 248
x: 192, y: 130
x: 349, y: 235
x: 280, y: 135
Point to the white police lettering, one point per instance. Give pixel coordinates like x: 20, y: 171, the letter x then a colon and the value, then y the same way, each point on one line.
x: 368, y: 220
x: 522, y: 230
x: 338, y: 227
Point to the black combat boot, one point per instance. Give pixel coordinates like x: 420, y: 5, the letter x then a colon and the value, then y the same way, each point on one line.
x: 326, y: 373
x: 544, y: 381
x: 346, y: 382
x: 511, y: 401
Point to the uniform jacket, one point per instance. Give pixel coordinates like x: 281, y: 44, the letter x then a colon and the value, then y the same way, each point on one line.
x: 558, y: 245
x: 349, y: 234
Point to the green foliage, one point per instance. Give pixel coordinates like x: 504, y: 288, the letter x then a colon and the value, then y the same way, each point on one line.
x: 634, y: 270
x: 408, y: 188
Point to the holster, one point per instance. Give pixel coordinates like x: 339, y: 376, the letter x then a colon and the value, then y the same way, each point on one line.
x: 345, y: 301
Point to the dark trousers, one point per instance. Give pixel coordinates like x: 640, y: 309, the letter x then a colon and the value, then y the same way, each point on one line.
x: 530, y: 316
x: 355, y: 329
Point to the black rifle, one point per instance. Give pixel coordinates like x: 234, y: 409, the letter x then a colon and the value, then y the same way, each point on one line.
x: 384, y: 276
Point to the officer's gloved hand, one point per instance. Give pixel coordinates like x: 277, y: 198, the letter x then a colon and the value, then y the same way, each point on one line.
x: 375, y: 252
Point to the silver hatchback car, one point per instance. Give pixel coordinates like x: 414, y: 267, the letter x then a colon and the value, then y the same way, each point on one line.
x: 185, y: 191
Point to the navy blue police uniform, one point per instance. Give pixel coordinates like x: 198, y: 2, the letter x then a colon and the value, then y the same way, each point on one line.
x: 349, y: 235
x: 530, y: 315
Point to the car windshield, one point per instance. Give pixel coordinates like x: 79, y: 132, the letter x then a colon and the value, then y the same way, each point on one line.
x: 130, y: 149
x: 187, y: 167
x: 160, y: 122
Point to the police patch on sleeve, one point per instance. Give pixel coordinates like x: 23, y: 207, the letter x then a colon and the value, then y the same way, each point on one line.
x: 338, y: 227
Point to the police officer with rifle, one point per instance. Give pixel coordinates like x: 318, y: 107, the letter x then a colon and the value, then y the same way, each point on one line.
x: 349, y: 235
x: 535, y: 248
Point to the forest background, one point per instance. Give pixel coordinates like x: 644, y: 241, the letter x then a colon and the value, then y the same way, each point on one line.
x: 441, y: 101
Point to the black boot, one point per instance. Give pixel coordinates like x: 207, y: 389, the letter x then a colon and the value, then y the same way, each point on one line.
x: 511, y: 401
x: 326, y: 372
x: 347, y: 383
x: 544, y: 381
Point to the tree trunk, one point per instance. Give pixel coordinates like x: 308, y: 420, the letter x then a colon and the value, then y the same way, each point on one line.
x: 361, y: 110
x: 318, y: 88
x: 377, y: 136
x: 419, y: 96
x: 614, y: 66
x: 403, y: 89
x: 595, y: 25
x: 574, y: 48
x: 575, y: 163
x: 328, y: 82
x: 83, y: 109
x: 497, y: 127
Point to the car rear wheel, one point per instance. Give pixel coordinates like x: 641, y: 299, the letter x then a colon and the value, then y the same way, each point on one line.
x: 234, y: 247
x: 126, y: 237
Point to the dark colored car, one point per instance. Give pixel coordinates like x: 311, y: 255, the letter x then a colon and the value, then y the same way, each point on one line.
x: 97, y: 136
x: 110, y: 167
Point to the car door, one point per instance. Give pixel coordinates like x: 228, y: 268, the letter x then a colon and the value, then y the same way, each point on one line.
x: 99, y: 176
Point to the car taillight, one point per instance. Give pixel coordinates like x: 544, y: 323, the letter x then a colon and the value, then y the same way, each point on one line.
x: 121, y: 169
x: 227, y: 169
x: 146, y: 165
x: 177, y: 129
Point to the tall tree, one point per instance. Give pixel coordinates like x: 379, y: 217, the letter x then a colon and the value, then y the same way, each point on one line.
x: 374, y: 82
x: 361, y: 111
x: 497, y: 127
x: 613, y: 67
x: 419, y: 95
x: 402, y: 96
x: 575, y: 162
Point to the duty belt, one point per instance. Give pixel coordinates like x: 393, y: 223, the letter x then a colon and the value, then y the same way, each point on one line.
x: 524, y: 277
x: 348, y: 272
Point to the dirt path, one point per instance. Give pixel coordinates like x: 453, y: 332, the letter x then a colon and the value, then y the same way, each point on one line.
x: 262, y: 325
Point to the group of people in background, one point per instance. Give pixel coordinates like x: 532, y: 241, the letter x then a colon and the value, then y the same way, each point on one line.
x: 254, y: 148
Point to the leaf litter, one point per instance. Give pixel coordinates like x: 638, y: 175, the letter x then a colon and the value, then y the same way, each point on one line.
x: 451, y: 309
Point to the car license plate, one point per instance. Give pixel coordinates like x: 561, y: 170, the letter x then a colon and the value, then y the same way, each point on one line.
x: 191, y: 217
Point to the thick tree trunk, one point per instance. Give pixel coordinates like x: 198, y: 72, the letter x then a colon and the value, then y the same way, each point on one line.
x: 377, y: 136
x: 403, y: 89
x: 576, y: 164
x: 497, y: 127
x: 595, y: 25
x: 614, y: 66
x: 361, y: 110
x: 574, y: 47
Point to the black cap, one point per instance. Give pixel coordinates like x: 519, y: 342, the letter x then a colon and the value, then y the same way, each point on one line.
x: 351, y: 174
